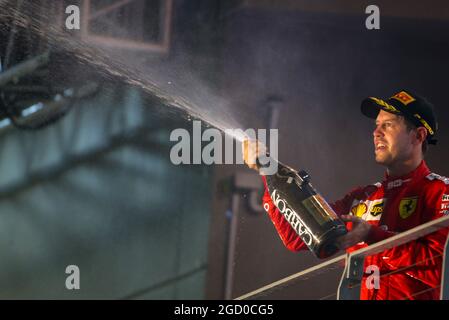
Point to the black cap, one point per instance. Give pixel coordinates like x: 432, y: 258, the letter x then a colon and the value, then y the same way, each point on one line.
x: 418, y: 110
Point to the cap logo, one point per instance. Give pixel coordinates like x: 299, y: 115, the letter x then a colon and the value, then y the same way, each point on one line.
x: 403, y: 97
x: 424, y: 123
x: 385, y: 106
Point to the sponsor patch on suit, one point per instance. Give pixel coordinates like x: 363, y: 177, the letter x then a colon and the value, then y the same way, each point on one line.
x: 407, y: 206
x: 368, y: 210
x: 377, y: 208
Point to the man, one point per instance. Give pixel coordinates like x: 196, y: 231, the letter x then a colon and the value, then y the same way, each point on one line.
x: 409, y: 195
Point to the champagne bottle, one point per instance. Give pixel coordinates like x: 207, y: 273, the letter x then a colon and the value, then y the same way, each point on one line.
x: 305, y: 209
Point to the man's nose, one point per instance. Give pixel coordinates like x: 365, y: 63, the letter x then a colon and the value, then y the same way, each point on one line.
x: 378, y: 131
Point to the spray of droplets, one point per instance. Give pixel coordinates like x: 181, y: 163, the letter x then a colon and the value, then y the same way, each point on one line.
x: 215, y: 112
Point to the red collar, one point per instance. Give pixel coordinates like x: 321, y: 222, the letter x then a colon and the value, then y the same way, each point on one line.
x: 421, y: 171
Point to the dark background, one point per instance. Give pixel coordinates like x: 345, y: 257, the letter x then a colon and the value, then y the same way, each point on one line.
x: 97, y: 188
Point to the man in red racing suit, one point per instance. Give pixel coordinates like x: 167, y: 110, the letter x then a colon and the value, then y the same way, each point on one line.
x: 409, y: 271
x: 409, y: 195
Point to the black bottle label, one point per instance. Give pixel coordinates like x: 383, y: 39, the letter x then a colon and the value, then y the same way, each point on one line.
x: 292, y: 217
x: 308, y: 213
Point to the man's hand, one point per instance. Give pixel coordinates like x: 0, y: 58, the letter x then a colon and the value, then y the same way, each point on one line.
x: 251, y: 150
x: 359, y: 232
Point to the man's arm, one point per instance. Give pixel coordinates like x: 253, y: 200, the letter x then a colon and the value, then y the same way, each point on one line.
x: 251, y: 150
x: 288, y: 236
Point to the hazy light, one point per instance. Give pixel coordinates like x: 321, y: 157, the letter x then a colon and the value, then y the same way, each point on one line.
x: 34, y: 108
x: 4, y: 123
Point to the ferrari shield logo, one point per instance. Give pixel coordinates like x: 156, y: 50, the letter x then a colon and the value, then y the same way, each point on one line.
x: 407, y: 206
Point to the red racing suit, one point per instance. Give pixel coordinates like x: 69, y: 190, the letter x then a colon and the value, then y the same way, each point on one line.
x: 408, y: 271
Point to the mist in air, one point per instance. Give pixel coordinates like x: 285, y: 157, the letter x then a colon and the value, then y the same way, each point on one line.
x: 171, y: 80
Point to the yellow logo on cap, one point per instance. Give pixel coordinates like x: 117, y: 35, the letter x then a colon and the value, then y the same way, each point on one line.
x: 424, y: 123
x: 403, y: 97
x: 407, y: 206
x: 385, y: 106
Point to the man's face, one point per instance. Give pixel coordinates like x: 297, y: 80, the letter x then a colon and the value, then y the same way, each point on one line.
x: 392, y: 140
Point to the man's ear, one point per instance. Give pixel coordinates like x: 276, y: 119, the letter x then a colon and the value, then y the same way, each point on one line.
x: 421, y: 134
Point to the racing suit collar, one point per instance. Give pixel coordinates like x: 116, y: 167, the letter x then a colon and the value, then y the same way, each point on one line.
x: 421, y: 171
